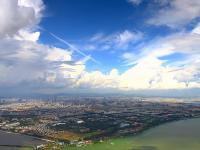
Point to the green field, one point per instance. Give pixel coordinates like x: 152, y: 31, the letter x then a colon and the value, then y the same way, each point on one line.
x: 181, y: 135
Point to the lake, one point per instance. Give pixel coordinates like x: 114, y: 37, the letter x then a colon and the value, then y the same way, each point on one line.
x: 180, y: 135
x: 13, y: 140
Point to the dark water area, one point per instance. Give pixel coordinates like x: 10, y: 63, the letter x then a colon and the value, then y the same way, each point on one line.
x: 14, y: 141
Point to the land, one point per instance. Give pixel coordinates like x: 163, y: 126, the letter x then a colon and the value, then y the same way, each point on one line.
x: 79, y: 121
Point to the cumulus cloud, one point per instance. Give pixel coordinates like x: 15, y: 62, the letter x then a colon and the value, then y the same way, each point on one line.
x: 151, y: 69
x: 176, y: 13
x: 29, y: 65
x: 25, y: 63
x: 15, y: 15
x: 27, y: 35
x: 36, y: 5
x: 149, y: 73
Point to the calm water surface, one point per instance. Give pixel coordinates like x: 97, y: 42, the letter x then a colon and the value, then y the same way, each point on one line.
x: 13, y: 140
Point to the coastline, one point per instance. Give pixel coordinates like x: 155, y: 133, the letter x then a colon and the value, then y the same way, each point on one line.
x: 35, y: 137
x: 161, y: 137
x: 108, y: 138
x: 132, y: 136
x: 18, y: 140
x: 16, y: 146
x: 152, y: 127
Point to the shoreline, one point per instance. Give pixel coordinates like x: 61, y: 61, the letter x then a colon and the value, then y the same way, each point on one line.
x: 160, y: 137
x: 149, y: 128
x: 139, y: 133
x: 35, y: 137
x: 108, y: 138
x: 20, y: 140
x: 16, y: 146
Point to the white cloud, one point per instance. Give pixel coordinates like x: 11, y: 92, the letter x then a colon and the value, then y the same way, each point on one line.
x: 37, y: 5
x: 57, y: 54
x: 149, y: 73
x: 97, y: 36
x: 135, y: 2
x: 14, y: 16
x: 27, y: 64
x: 177, y: 13
x: 118, y: 40
x: 126, y: 37
x: 150, y: 70
x: 96, y: 79
x: 27, y: 35
x: 23, y: 61
x: 128, y: 55
x: 196, y: 30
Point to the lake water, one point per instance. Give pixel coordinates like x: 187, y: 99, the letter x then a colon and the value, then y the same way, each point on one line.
x: 180, y: 135
x: 12, y: 140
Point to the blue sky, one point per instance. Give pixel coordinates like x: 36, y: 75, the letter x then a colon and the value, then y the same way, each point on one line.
x: 92, y: 45
x: 78, y: 21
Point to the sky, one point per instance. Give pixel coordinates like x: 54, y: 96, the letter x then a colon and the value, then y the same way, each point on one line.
x: 106, y: 46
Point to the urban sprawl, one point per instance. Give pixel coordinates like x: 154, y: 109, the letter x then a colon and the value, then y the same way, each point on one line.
x: 78, y: 121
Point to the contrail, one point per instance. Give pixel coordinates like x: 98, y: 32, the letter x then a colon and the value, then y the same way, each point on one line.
x: 173, y: 70
x: 73, y: 48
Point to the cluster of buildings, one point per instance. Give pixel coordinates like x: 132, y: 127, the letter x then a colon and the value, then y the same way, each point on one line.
x: 83, y: 120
